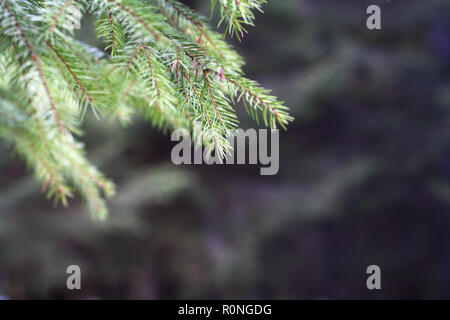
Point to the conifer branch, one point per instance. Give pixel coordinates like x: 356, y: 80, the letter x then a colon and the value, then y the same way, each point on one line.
x: 35, y: 59
x: 58, y: 15
x: 162, y: 60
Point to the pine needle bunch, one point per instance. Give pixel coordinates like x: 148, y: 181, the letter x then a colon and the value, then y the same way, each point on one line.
x: 162, y: 61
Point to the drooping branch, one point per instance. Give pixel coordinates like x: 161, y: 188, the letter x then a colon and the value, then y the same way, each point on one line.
x: 161, y: 60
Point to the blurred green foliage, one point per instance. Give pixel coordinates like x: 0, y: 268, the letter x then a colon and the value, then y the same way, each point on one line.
x: 364, y: 178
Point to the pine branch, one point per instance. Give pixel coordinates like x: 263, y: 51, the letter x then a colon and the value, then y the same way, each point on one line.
x: 34, y: 57
x: 237, y: 14
x: 164, y: 62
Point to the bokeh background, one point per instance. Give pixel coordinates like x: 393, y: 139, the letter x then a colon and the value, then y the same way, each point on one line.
x: 364, y: 178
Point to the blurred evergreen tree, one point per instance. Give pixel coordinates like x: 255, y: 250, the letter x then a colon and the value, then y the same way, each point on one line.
x: 364, y: 178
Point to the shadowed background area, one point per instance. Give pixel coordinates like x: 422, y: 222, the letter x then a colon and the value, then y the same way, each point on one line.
x: 364, y: 178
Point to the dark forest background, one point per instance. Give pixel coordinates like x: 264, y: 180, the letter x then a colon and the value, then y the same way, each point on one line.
x: 364, y: 178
